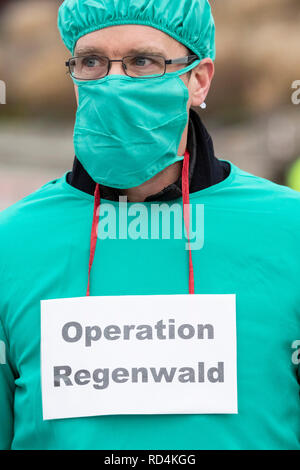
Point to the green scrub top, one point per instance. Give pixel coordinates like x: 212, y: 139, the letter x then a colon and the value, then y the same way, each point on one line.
x: 251, y: 248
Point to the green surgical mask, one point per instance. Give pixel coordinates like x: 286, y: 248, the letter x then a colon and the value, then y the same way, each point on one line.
x: 129, y: 129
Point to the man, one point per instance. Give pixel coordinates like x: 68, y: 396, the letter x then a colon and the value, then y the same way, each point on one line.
x: 138, y: 66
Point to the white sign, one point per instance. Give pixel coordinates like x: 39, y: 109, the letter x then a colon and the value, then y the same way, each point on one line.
x: 165, y: 354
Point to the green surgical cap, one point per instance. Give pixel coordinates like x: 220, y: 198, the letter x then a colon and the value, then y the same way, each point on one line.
x: 188, y: 21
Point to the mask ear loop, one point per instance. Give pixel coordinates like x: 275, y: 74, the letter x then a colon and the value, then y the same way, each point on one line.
x: 178, y: 73
x: 186, y: 215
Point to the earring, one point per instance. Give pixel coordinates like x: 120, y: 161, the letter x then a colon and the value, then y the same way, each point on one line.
x: 203, y: 106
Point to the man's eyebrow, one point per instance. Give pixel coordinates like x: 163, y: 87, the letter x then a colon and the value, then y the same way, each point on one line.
x: 146, y: 50
x: 134, y: 51
x: 88, y: 50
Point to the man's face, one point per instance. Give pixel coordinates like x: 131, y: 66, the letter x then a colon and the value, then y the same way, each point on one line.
x: 117, y: 42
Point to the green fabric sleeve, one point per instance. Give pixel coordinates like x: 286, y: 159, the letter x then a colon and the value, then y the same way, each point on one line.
x: 7, y: 387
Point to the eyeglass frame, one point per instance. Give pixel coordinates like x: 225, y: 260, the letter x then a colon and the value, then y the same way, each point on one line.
x: 180, y: 61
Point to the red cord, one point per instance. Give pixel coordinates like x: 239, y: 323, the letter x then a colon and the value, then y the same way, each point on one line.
x: 94, y: 233
x: 186, y: 215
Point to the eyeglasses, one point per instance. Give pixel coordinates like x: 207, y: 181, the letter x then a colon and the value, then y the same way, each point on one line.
x: 94, y: 67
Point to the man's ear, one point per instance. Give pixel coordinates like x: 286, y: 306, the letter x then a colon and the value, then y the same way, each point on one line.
x: 76, y: 93
x: 200, y: 81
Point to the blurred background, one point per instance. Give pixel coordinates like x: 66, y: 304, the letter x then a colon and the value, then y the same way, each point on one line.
x: 250, y: 113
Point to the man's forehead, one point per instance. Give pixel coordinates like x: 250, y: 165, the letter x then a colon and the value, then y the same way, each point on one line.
x: 128, y: 39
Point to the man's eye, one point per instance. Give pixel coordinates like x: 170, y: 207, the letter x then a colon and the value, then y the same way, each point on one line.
x: 140, y: 61
x: 143, y: 61
x: 92, y: 62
